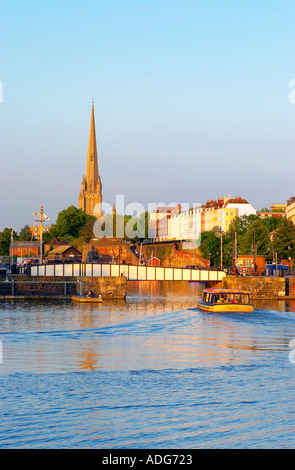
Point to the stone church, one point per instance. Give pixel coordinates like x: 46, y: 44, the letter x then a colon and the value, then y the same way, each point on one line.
x: 90, y: 197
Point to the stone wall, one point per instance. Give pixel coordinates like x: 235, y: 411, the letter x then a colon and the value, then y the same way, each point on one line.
x: 109, y: 287
x: 171, y: 256
x: 116, y: 250
x: 259, y: 287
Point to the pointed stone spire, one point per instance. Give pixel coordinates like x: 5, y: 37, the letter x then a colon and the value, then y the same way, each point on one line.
x: 91, y: 166
x: 90, y: 194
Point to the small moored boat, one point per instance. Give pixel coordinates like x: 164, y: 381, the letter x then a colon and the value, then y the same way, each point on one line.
x: 87, y: 299
x: 225, y: 300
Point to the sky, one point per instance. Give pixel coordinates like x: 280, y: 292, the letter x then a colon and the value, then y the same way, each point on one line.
x: 192, y: 102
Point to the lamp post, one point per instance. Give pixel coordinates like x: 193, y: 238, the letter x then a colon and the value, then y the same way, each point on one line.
x: 42, y: 216
x: 221, y: 253
x: 11, y: 250
x: 254, y: 251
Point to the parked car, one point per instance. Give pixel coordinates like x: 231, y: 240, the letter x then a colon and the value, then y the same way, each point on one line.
x: 194, y: 267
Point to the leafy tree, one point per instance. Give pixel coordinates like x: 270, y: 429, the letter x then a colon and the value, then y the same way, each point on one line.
x: 25, y: 234
x: 271, y: 223
x: 86, y: 232
x: 5, y: 241
x: 284, y: 239
x: 210, y: 245
x: 143, y: 224
x: 69, y: 223
x: 257, y: 232
x: 130, y: 227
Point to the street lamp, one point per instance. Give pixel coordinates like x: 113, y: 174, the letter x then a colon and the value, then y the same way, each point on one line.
x: 42, y: 216
x: 254, y: 251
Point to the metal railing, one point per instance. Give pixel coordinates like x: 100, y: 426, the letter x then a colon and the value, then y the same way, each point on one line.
x: 131, y: 272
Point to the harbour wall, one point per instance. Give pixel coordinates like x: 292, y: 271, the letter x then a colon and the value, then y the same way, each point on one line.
x: 109, y: 287
x: 262, y: 287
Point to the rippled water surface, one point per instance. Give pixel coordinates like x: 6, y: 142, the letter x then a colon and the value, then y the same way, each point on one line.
x: 149, y: 372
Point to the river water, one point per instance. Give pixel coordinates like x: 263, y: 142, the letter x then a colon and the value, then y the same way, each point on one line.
x: 151, y: 372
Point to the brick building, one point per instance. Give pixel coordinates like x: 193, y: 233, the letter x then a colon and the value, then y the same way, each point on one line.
x: 65, y: 253
x: 23, y: 249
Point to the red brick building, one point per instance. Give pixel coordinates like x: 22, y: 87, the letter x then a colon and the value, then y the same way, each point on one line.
x: 23, y: 249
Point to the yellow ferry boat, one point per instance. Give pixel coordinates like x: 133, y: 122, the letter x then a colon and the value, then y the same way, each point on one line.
x: 225, y: 300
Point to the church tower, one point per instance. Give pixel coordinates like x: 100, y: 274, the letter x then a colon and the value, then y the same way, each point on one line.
x: 90, y: 194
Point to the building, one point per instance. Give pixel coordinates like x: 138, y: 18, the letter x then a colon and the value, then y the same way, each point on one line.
x: 276, y: 211
x: 268, y: 214
x: 189, y: 224
x: 222, y: 212
x: 175, y: 224
x: 290, y: 209
x: 54, y: 243
x: 245, y: 265
x: 36, y: 231
x: 159, y: 225
x: 236, y: 207
x: 153, y: 261
x: 24, y: 249
x: 90, y: 197
x: 65, y: 253
x: 275, y: 207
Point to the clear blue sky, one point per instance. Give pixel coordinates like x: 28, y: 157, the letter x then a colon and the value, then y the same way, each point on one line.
x: 191, y: 101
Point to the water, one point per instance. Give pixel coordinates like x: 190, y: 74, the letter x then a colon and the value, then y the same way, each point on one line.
x: 151, y: 372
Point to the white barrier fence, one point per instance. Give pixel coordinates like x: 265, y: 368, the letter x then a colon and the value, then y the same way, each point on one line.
x: 132, y: 273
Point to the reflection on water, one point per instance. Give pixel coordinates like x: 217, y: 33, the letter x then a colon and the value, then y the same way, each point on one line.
x: 150, y: 372
x: 158, y: 326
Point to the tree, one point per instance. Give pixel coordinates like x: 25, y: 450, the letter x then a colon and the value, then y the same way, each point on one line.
x: 25, y: 234
x: 210, y: 245
x: 143, y: 225
x: 271, y: 223
x: 284, y: 240
x: 69, y: 223
x: 5, y: 241
x: 256, y: 230
x: 86, y: 232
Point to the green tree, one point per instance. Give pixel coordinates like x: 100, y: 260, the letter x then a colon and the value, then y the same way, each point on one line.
x: 271, y: 223
x: 5, y: 241
x: 257, y: 232
x: 69, y: 223
x: 25, y: 234
x: 234, y: 238
x: 86, y: 231
x: 284, y: 240
x: 210, y: 245
x: 143, y: 224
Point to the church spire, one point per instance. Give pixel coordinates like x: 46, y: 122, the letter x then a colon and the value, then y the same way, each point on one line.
x: 91, y: 166
x: 90, y: 194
